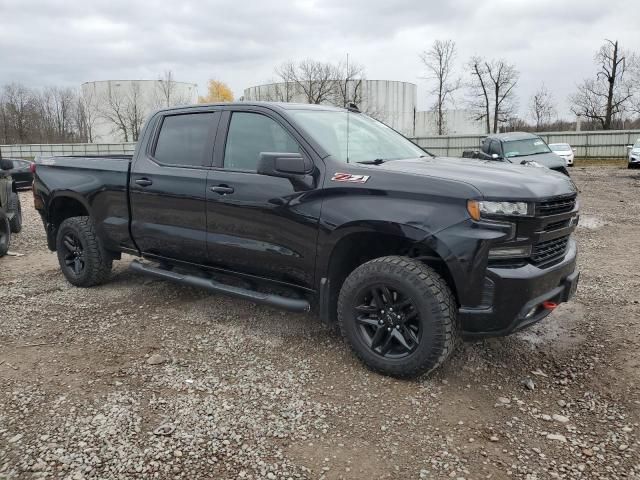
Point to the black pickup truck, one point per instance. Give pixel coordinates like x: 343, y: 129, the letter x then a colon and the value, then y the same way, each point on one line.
x: 309, y: 207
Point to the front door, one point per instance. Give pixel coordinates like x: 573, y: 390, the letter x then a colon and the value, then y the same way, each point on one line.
x: 168, y: 188
x: 259, y: 224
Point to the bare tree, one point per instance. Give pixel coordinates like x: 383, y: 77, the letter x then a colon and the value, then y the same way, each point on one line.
x: 493, y: 91
x: 113, y: 109
x: 57, y: 110
x: 541, y: 107
x: 86, y: 114
x: 168, y: 93
x: 634, y: 67
x: 349, y: 84
x: 285, y: 85
x: 135, y: 112
x: 166, y: 87
x: 315, y: 80
x: 605, y: 97
x: 439, y: 60
x: 20, y: 111
x: 479, y: 92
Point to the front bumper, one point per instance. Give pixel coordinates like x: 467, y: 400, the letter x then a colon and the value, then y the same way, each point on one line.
x: 518, y: 295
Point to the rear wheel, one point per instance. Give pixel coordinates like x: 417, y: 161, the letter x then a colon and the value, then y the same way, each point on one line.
x: 81, y: 255
x: 398, y: 315
x: 15, y: 208
x: 5, y: 234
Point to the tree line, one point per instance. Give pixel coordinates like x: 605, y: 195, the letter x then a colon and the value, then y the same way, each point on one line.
x: 488, y: 88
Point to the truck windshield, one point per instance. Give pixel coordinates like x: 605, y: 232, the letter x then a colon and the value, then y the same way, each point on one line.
x: 522, y: 148
x: 355, y: 137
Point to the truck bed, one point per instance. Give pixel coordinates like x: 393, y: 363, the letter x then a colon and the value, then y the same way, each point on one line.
x: 99, y: 186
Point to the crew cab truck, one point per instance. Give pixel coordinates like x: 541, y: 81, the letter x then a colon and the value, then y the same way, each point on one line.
x: 518, y: 148
x: 309, y: 207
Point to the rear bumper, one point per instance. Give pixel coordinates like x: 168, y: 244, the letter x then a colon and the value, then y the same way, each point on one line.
x: 518, y: 296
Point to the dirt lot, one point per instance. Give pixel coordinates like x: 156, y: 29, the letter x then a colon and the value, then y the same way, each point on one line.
x: 243, y: 391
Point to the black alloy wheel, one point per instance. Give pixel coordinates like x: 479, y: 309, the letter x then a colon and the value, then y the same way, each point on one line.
x: 388, y: 321
x: 73, y: 253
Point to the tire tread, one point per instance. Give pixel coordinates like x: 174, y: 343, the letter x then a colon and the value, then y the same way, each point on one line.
x: 430, y: 283
x: 100, y: 259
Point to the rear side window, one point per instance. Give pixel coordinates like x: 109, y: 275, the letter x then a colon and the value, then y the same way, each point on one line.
x: 251, y: 134
x: 184, y: 140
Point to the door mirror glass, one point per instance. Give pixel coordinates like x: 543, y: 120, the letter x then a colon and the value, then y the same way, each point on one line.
x: 495, y: 156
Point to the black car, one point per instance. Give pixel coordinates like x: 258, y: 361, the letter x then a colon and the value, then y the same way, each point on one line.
x: 21, y: 173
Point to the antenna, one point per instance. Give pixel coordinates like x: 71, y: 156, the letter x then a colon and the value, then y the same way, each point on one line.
x: 346, y: 91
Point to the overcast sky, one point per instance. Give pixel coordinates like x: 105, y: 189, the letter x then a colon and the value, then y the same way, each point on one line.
x: 68, y: 42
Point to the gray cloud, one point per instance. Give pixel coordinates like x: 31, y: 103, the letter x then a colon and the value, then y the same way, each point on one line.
x: 45, y: 42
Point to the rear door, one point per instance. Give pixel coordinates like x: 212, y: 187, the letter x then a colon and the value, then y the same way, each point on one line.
x: 260, y: 224
x: 168, y: 186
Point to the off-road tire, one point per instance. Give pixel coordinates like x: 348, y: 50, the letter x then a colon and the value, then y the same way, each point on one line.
x: 433, y: 299
x: 5, y: 234
x: 15, y: 208
x: 97, y: 261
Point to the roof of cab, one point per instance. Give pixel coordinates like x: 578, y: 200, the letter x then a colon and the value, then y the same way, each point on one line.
x: 273, y: 105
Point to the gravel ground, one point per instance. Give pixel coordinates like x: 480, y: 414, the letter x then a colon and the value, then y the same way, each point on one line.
x: 145, y: 379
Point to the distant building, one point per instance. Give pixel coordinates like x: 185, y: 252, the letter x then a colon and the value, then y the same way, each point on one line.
x: 392, y: 102
x: 117, y: 109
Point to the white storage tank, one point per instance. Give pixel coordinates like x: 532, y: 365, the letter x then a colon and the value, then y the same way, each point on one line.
x: 118, y: 108
x: 390, y: 101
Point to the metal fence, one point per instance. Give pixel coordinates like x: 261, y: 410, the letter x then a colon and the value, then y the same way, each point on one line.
x: 609, y: 144
x: 600, y: 144
x: 47, y: 150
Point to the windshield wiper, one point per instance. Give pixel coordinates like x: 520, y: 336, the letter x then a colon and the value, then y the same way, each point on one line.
x: 376, y: 161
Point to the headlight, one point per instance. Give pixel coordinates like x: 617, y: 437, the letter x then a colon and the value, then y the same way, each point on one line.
x: 488, y: 208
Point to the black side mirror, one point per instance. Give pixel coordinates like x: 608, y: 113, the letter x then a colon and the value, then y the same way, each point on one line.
x: 284, y: 165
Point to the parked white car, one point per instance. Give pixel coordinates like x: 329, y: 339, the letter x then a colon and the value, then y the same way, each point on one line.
x: 565, y: 151
x: 634, y: 155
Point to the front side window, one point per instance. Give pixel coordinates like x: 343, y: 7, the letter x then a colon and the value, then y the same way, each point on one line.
x: 249, y: 135
x: 495, y: 148
x: 183, y: 139
x: 353, y: 137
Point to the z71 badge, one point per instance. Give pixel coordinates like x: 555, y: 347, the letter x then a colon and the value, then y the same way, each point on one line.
x: 347, y: 177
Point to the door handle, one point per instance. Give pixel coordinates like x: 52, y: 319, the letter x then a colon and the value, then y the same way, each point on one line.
x: 144, y: 182
x: 222, y: 189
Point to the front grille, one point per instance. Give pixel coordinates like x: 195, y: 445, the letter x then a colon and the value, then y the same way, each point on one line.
x: 556, y: 225
x: 555, y: 206
x: 546, y: 252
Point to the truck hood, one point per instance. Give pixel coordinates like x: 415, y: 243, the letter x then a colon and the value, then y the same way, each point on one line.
x: 499, y: 180
x: 549, y: 160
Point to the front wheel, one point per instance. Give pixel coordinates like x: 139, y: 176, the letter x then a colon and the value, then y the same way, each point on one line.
x: 81, y: 255
x: 398, y: 315
x: 15, y: 208
x: 5, y: 234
